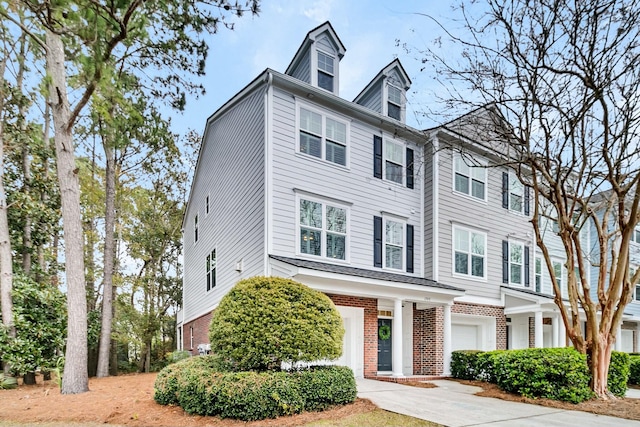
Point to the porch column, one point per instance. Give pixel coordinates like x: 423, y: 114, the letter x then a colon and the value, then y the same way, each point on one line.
x: 562, y: 332
x: 617, y: 346
x: 538, y: 333
x: 446, y: 341
x: 396, y: 364
x: 556, y: 331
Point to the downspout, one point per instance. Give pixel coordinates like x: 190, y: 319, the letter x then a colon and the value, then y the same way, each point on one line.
x: 268, y: 176
x: 435, y: 183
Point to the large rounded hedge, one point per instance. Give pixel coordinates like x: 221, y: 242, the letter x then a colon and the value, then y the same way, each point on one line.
x: 264, y: 321
x: 200, y: 388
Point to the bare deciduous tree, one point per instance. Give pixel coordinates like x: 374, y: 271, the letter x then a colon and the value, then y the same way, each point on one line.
x: 565, y: 78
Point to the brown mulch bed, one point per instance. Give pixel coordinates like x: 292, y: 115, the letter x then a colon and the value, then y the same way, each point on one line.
x: 621, y: 407
x: 128, y: 400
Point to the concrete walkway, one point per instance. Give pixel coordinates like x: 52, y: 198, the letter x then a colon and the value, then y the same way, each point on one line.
x: 454, y: 405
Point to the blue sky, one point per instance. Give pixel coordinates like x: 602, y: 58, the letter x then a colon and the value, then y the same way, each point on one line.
x: 368, y: 29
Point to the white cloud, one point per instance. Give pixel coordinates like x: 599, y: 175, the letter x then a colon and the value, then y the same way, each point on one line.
x: 319, y: 11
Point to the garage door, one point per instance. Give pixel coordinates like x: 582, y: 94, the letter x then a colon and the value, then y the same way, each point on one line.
x: 465, y: 337
x: 627, y: 340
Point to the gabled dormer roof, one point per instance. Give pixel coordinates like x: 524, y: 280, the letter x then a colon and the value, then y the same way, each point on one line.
x: 311, y: 37
x: 394, y: 71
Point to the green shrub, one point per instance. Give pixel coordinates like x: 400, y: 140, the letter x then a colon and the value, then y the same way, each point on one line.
x: 618, y: 373
x: 486, y: 365
x: 264, y: 321
x: 634, y: 370
x: 464, y: 364
x: 325, y: 386
x: 200, y: 388
x: 554, y: 373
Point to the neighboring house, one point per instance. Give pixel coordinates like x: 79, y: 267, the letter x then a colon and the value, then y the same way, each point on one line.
x: 423, y: 248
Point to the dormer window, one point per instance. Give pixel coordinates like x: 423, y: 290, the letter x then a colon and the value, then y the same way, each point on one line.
x: 394, y: 104
x: 325, y: 71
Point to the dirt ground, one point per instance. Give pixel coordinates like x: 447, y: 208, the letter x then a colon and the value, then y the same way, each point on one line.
x: 127, y: 400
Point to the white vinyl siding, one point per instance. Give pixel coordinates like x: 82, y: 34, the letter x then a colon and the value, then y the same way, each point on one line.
x: 470, y: 252
x: 323, y: 136
x: 350, y: 187
x: 469, y: 180
x: 231, y: 167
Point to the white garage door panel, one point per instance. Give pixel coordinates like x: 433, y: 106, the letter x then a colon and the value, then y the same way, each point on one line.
x: 465, y: 337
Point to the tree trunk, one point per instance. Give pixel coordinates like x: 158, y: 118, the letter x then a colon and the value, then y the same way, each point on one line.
x: 29, y: 378
x: 109, y: 255
x: 6, y: 260
x: 598, y: 359
x: 75, y: 379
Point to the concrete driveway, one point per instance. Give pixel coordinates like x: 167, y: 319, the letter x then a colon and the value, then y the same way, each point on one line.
x: 454, y: 405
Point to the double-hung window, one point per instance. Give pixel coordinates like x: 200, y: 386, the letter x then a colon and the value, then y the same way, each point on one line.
x: 516, y: 263
x: 558, y: 272
x: 469, y: 254
x: 323, y: 229
x: 515, y: 196
x: 636, y: 296
x: 325, y: 71
x: 538, y: 274
x: 635, y: 237
x: 393, y: 244
x: 393, y: 161
x: 323, y: 137
x: 469, y: 180
x: 211, y: 270
x: 394, y: 102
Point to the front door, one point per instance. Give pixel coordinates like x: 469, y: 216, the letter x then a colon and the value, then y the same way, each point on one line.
x: 384, y: 345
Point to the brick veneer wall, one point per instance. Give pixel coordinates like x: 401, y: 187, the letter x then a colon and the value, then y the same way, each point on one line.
x: 428, y: 341
x: 486, y: 310
x: 200, y: 333
x: 370, y: 306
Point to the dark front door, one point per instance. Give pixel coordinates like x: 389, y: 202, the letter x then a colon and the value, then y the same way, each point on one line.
x: 384, y: 344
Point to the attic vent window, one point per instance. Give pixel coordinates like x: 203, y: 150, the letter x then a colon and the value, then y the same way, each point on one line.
x: 394, y: 106
x: 325, y: 71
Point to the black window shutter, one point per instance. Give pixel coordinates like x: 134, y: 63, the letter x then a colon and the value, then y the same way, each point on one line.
x: 505, y: 190
x: 377, y: 241
x: 505, y: 261
x: 377, y: 156
x: 527, y: 199
x: 409, y: 248
x: 526, y: 266
x: 409, y: 168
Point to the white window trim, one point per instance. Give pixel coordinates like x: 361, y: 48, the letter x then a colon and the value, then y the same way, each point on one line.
x: 469, y: 195
x: 522, y: 272
x: 323, y: 142
x: 635, y: 237
x: 468, y: 276
x: 387, y: 100
x: 196, y: 228
x: 207, y: 205
x: 563, y: 276
x: 398, y: 220
x: 315, y: 69
x: 535, y: 273
x: 323, y: 247
x: 386, y: 139
x: 636, y: 294
x: 513, y: 177
x: 214, y: 270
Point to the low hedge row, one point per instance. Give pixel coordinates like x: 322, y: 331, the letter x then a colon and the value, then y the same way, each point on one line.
x: 200, y: 387
x: 634, y: 369
x: 554, y: 373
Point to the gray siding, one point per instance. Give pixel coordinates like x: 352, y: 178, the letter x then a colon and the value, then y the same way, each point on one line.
x: 325, y: 44
x: 373, y: 98
x: 303, y: 70
x: 231, y: 172
x: 485, y: 216
x: 427, y: 167
x: 367, y: 196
